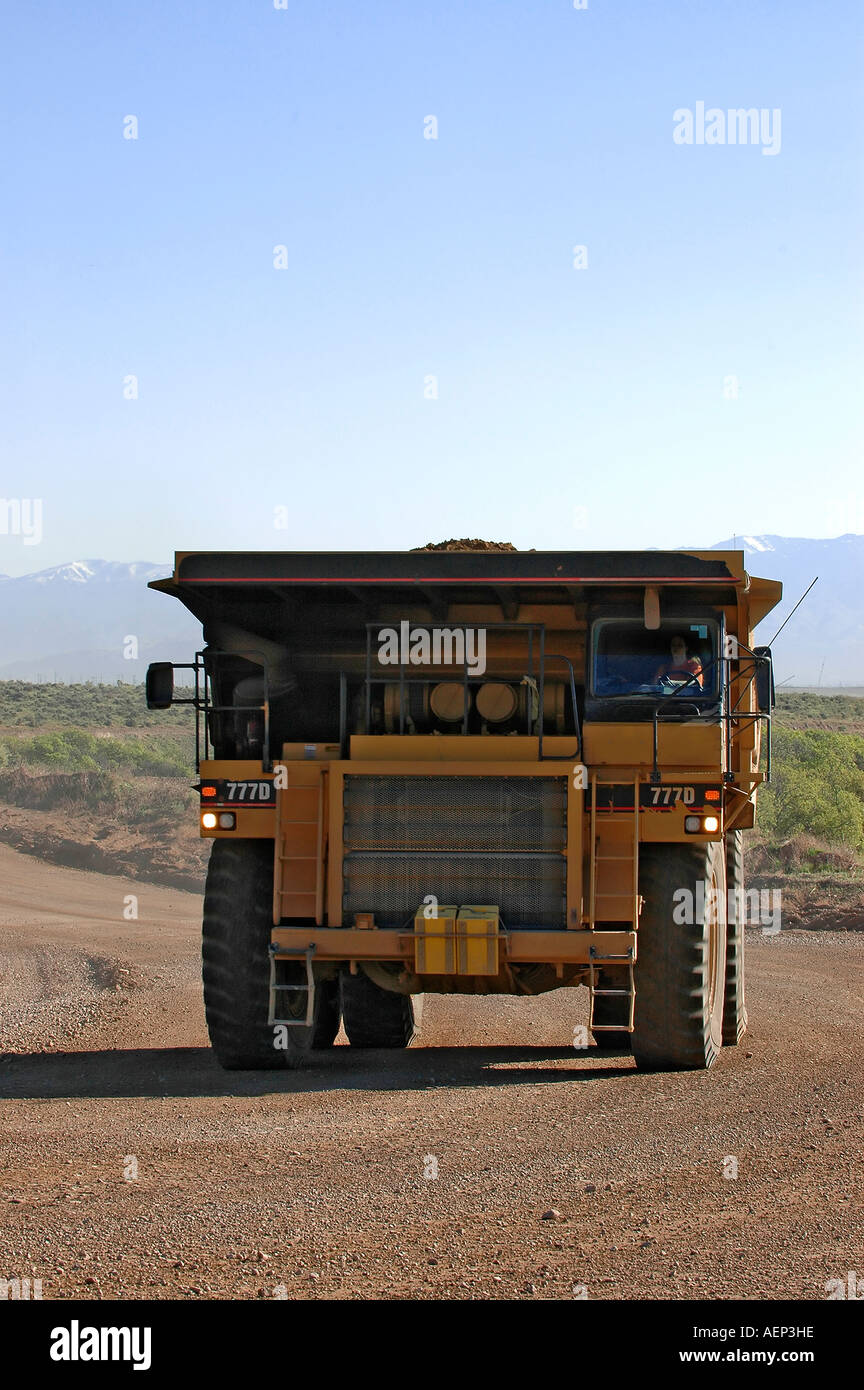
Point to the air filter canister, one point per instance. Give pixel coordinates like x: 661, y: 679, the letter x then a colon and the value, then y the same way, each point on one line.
x: 448, y: 702
x: 496, y: 702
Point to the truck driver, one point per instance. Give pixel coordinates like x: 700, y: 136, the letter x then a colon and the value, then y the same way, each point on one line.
x: 681, y: 667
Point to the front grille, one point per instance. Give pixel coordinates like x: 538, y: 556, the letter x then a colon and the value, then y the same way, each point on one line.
x: 498, y: 840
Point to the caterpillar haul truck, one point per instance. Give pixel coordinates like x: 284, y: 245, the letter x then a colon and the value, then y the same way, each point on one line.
x: 455, y: 772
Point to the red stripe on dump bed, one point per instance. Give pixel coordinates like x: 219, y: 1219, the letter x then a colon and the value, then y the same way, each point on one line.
x: 395, y: 580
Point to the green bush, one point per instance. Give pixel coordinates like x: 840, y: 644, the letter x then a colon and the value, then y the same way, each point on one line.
x: 803, y: 709
x: 817, y: 787
x: 27, y: 705
x: 76, y: 750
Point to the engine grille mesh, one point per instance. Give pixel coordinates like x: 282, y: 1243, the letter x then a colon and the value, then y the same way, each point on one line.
x: 464, y: 839
x: 526, y: 815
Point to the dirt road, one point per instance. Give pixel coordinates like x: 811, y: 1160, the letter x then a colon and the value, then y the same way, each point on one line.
x: 132, y: 1166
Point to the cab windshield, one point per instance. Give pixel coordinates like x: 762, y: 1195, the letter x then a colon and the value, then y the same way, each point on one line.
x: 676, y: 660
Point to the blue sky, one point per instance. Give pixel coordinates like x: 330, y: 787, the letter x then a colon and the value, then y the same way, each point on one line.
x: 559, y: 389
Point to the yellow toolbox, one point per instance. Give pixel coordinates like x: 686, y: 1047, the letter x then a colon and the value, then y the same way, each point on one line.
x: 477, y: 940
x: 435, y: 941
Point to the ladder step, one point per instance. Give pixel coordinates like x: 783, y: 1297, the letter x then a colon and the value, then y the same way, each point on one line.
x: 280, y: 953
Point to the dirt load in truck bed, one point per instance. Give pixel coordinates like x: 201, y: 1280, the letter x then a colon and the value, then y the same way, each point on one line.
x: 467, y: 545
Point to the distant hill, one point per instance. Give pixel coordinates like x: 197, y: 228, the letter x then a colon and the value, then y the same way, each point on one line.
x: 824, y: 643
x: 70, y: 623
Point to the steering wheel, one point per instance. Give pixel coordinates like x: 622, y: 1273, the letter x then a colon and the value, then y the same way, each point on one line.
x: 675, y: 687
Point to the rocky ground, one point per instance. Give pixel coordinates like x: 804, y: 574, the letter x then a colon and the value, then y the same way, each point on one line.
x: 491, y: 1160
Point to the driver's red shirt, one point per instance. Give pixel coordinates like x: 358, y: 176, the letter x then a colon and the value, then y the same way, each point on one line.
x: 684, y: 669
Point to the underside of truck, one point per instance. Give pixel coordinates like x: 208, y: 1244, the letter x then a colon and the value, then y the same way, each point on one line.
x: 450, y: 772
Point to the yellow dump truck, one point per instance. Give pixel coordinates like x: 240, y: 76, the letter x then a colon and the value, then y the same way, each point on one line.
x: 454, y: 772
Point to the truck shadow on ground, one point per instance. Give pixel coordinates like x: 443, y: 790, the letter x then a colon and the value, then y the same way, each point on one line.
x: 194, y: 1071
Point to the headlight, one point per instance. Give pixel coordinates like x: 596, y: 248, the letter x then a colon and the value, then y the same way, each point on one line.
x: 701, y: 825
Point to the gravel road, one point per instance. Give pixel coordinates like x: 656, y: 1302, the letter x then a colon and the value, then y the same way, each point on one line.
x: 491, y: 1160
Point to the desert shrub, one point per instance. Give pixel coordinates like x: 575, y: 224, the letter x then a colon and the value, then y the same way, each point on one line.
x: 817, y: 788
x: 80, y: 751
x: 66, y: 791
x: 29, y: 705
x: 128, y: 801
x: 805, y: 709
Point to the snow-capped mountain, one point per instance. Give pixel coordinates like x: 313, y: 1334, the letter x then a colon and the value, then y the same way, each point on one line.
x: 96, y: 571
x: 753, y: 545
x: 87, y: 619
x: 824, y: 642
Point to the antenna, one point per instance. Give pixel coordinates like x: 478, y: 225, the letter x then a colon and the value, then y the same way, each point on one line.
x: 797, y: 606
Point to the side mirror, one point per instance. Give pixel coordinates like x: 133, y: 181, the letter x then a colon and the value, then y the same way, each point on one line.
x: 159, y: 685
x: 765, y: 697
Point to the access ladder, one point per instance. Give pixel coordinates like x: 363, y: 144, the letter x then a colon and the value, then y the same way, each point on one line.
x: 613, y: 892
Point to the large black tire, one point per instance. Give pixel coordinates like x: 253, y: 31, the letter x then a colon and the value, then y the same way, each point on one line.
x: 680, y: 967
x: 611, y: 1010
x: 376, y: 1017
x: 238, y: 904
x: 734, y: 1008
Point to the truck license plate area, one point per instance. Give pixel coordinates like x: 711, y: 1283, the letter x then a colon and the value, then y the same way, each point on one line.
x: 248, y: 792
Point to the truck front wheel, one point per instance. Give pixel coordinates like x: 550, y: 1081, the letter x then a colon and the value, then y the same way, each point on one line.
x: 735, y: 1010
x: 681, y: 962
x: 238, y: 905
